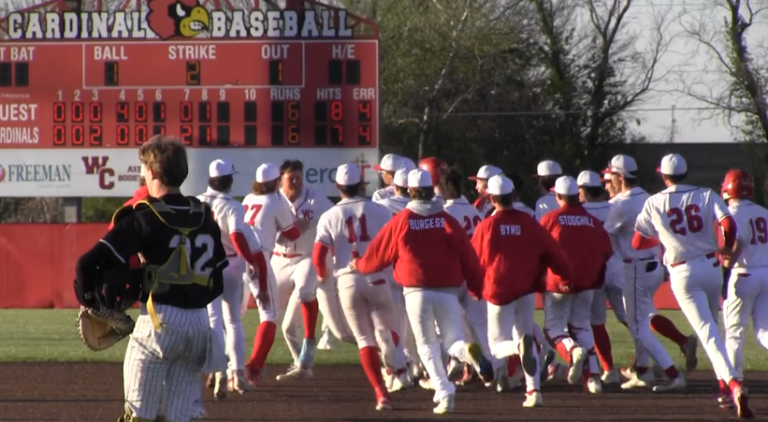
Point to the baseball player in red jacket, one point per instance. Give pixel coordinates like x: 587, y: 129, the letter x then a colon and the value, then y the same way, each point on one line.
x: 433, y: 257
x: 588, y: 248
x: 515, y: 250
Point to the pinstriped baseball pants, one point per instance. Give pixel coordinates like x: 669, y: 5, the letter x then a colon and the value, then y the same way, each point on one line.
x: 163, y: 369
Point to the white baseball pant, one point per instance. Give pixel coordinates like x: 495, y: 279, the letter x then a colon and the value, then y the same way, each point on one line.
x: 407, y: 347
x: 267, y: 311
x: 368, y: 306
x: 641, y: 281
x: 426, y: 307
x: 476, y: 319
x: 507, y: 326
x: 224, y: 314
x: 163, y: 369
x: 561, y: 310
x: 611, y: 292
x: 297, y: 282
x: 329, y: 304
x: 697, y: 284
x: 747, y: 299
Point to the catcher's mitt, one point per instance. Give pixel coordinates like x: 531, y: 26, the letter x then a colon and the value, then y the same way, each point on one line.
x: 102, y: 329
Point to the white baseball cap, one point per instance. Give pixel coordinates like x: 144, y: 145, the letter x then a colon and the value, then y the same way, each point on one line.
x: 221, y: 167
x: 566, y: 185
x: 500, y: 185
x: 267, y: 172
x: 406, y: 164
x: 589, y: 179
x: 418, y: 178
x: 673, y: 165
x: 607, y: 174
x: 401, y: 178
x: 348, y: 174
x: 548, y: 168
x: 388, y: 163
x: 623, y: 164
x: 486, y: 172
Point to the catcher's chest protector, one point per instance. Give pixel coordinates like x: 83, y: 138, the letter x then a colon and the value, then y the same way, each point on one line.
x: 177, y: 269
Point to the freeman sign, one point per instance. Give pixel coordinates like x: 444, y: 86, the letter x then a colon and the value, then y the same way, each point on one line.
x: 179, y: 19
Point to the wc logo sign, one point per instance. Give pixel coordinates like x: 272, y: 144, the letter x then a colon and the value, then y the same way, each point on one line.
x: 107, y: 176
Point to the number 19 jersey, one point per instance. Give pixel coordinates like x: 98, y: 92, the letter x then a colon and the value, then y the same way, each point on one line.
x: 352, y: 221
x: 682, y: 217
x: 752, y: 228
x: 268, y: 215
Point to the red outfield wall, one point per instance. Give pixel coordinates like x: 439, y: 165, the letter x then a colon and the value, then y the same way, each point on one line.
x: 37, y: 265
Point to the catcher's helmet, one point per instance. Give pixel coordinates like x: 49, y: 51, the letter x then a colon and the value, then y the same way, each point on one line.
x: 435, y: 167
x: 738, y: 184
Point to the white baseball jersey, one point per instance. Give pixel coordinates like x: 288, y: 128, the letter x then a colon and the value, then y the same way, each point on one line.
x: 382, y: 194
x: 752, y: 228
x: 309, y: 206
x: 682, y: 218
x: 620, y: 224
x: 545, y: 204
x: 395, y: 203
x: 268, y: 215
x: 351, y: 221
x: 229, y: 215
x: 486, y: 207
x: 598, y: 209
x: 464, y: 212
x: 524, y: 208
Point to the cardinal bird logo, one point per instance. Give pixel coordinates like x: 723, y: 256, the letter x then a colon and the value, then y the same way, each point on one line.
x: 177, y: 18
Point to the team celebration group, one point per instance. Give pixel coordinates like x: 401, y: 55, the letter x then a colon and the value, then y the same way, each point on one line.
x: 434, y: 290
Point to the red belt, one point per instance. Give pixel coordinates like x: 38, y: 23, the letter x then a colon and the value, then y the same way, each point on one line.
x: 677, y: 264
x: 287, y: 255
x: 629, y: 261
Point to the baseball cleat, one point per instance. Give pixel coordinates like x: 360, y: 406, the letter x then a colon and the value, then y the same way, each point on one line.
x: 610, y: 377
x: 677, y: 384
x: 689, y: 350
x: 482, y: 366
x: 426, y: 384
x: 533, y: 399
x: 547, y: 360
x: 638, y: 381
x: 444, y: 405
x: 594, y: 385
x: 254, y: 375
x: 455, y: 370
x: 725, y: 402
x: 741, y: 400
x: 383, y: 403
x: 220, y: 387
x: 296, y: 372
x: 238, y: 383
x: 326, y: 341
x: 502, y: 380
x: 575, y: 372
x: 403, y: 381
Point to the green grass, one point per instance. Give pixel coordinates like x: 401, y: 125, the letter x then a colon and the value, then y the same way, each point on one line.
x: 46, y: 335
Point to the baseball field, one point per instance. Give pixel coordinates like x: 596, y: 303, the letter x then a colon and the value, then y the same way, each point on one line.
x: 48, y: 375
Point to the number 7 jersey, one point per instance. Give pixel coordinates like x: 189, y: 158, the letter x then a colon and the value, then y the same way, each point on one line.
x: 349, y: 222
x: 752, y: 230
x: 682, y: 217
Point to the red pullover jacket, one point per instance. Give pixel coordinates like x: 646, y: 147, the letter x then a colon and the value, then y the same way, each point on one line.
x: 429, y: 248
x: 584, y: 241
x: 516, y: 252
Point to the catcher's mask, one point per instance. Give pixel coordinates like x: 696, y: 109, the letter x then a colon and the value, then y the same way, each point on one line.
x: 119, y: 288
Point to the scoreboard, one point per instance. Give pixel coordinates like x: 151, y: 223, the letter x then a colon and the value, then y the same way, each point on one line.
x: 209, y: 93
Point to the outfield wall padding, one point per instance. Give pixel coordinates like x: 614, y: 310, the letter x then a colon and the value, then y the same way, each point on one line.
x: 37, y: 265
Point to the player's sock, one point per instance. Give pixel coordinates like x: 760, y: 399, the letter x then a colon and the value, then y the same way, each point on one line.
x: 723, y: 388
x: 262, y: 343
x: 309, y: 312
x: 666, y: 328
x: 513, y: 362
x: 603, y: 346
x: 369, y: 359
x: 563, y: 352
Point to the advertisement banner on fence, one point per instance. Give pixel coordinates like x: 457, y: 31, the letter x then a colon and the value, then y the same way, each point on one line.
x: 115, y: 172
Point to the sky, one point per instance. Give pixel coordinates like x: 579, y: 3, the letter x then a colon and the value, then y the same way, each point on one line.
x: 691, y: 64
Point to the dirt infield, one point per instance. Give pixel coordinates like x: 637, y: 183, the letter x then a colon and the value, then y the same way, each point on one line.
x: 93, y: 392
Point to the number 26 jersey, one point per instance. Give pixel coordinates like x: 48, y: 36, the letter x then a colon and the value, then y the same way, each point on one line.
x: 683, y: 218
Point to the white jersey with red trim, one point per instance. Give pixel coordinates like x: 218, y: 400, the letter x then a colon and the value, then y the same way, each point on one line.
x: 352, y: 221
x: 752, y: 228
x: 382, y: 194
x: 310, y: 205
x: 464, y: 212
x: 395, y: 203
x: 545, y: 204
x: 682, y: 218
x: 599, y: 209
x: 229, y: 215
x: 268, y: 215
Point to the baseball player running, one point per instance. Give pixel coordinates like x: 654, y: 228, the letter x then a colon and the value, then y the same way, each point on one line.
x: 573, y: 227
x: 432, y: 257
x: 514, y: 249
x: 224, y: 311
x: 475, y: 310
x: 172, y: 343
x: 681, y: 217
x: 483, y: 203
x: 642, y: 277
x: 347, y: 229
x: 294, y: 273
x: 748, y: 281
x: 591, y: 195
x: 268, y: 214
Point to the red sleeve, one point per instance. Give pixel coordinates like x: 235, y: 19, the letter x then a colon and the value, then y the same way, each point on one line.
x: 382, y: 251
x: 479, y: 241
x: 292, y: 233
x: 546, y: 222
x: 470, y: 265
x: 640, y: 242
x: 319, y: 254
x: 729, y: 231
x: 241, y: 246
